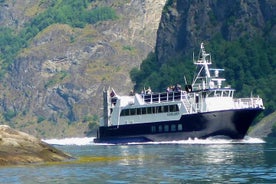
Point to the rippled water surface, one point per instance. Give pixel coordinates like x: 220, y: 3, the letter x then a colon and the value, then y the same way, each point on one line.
x: 193, y: 161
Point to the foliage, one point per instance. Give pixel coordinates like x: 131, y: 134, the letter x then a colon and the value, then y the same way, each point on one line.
x: 71, y: 12
x: 10, y: 44
x: 249, y: 65
x: 56, y: 79
x: 93, y: 122
x: 40, y: 119
x: 158, y: 77
x: 9, y: 115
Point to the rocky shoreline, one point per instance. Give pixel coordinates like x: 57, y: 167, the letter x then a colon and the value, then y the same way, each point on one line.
x: 19, y: 148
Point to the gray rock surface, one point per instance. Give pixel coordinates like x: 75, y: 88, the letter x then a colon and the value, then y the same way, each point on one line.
x: 20, y: 148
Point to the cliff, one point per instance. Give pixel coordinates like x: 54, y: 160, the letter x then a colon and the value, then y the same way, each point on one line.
x: 54, y: 86
x: 185, y: 24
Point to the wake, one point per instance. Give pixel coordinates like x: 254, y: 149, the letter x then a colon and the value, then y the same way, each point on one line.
x: 90, y: 141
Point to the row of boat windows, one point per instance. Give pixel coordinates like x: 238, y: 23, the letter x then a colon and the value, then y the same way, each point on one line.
x: 149, y: 110
x: 166, y: 128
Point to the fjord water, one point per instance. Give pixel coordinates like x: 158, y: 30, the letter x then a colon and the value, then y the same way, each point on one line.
x: 250, y: 160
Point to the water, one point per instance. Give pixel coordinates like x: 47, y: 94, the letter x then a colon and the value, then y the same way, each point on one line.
x: 193, y: 161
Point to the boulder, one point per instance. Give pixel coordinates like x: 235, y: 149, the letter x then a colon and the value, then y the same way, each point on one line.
x: 20, y: 148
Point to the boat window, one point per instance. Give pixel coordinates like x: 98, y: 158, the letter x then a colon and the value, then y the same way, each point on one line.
x: 160, y: 109
x: 139, y: 111
x: 153, y: 110
x: 171, y: 107
x: 132, y: 111
x: 149, y: 110
x: 173, y: 128
x: 160, y: 128
x: 166, y: 108
x: 179, y: 127
x: 225, y: 93
x: 176, y: 107
x: 144, y: 110
x: 124, y: 112
x: 153, y: 129
x: 211, y: 94
x: 232, y: 94
x: 166, y: 128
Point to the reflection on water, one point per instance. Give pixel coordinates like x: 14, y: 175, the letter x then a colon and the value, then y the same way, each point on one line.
x: 129, y: 158
x: 215, y: 154
x: 192, y: 161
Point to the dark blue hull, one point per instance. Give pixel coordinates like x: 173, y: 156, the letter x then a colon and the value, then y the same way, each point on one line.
x: 231, y: 123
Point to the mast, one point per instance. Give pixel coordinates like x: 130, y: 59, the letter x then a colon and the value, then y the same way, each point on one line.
x: 204, y: 59
x: 204, y: 80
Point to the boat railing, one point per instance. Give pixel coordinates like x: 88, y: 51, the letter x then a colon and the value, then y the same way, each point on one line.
x: 248, y: 103
x: 164, y: 97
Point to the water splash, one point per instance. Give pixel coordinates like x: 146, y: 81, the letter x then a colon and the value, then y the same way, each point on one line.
x: 90, y: 141
x: 79, y: 141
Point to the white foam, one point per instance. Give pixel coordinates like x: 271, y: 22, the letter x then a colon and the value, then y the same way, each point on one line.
x: 71, y: 141
x: 90, y: 141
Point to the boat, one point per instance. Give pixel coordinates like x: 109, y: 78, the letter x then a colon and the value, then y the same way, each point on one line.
x: 205, y: 108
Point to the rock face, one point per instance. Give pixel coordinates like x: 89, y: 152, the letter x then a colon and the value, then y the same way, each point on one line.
x: 185, y: 24
x: 20, y: 148
x: 58, y: 79
x: 264, y: 127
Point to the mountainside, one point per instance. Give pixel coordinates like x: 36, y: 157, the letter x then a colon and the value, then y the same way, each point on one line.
x: 185, y: 24
x: 54, y: 85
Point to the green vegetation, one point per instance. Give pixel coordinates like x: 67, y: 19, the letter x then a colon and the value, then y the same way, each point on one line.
x: 93, y: 122
x: 249, y: 65
x: 71, y: 12
x: 57, y: 79
x: 9, y: 115
x: 40, y: 119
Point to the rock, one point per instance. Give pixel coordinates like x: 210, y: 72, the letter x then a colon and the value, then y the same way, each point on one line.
x: 20, y: 148
x: 264, y: 127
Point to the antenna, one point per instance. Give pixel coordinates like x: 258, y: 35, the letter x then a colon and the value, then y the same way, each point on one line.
x: 185, y: 80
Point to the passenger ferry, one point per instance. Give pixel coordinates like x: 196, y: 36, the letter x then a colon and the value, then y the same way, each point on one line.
x: 203, y: 109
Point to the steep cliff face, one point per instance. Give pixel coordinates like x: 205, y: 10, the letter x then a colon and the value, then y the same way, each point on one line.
x: 15, y: 14
x: 185, y: 23
x: 59, y: 78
